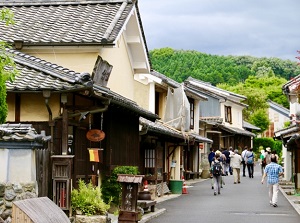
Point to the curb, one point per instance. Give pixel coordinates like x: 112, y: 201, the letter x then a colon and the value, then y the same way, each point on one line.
x: 152, y: 215
x: 291, y: 201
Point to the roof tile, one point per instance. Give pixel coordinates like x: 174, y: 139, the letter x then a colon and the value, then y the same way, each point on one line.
x: 65, y: 23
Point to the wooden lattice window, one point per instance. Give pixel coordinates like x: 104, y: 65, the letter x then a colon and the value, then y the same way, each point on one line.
x: 228, y: 114
x: 150, y: 161
x: 61, y: 193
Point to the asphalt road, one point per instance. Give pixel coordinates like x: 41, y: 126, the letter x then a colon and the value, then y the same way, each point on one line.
x: 237, y: 203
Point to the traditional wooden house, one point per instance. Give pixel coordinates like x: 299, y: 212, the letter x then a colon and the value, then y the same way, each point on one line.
x: 86, y: 122
x: 290, y: 135
x: 171, y: 152
x: 278, y: 116
x: 78, y: 62
x: 221, y: 116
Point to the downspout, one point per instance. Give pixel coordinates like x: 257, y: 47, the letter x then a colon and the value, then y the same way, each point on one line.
x: 46, y: 95
x: 98, y: 110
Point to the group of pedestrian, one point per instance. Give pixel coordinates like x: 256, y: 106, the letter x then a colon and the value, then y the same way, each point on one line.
x: 222, y: 164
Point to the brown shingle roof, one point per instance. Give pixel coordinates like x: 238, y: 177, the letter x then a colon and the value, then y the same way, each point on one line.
x: 66, y: 22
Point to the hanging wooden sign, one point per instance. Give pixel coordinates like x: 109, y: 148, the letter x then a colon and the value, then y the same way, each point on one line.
x: 95, y: 135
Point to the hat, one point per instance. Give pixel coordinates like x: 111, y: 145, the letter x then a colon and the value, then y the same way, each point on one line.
x: 236, y: 151
x: 268, y: 149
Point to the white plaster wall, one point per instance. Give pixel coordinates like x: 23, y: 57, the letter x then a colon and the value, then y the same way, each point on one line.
x: 3, y: 164
x: 287, y: 158
x: 278, y: 119
x: 21, y: 166
x: 236, y: 114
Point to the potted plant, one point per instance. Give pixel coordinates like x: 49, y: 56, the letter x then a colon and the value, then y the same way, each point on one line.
x: 86, y: 202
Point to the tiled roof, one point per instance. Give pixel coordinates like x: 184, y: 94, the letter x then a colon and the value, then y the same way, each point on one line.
x: 172, y: 83
x: 279, y: 108
x: 66, y: 22
x: 24, y: 136
x: 163, y: 129
x: 236, y: 131
x: 209, y: 89
x: 37, y: 75
x: 287, y: 132
x: 247, y: 125
x: 211, y: 120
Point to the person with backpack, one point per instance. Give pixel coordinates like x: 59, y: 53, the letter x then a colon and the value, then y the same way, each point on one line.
x: 249, y: 159
x: 216, y: 172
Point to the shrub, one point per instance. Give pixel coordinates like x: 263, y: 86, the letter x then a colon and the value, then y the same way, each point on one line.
x: 111, y: 188
x: 87, y: 199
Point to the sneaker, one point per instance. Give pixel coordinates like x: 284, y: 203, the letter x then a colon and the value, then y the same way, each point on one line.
x: 274, y: 205
x: 215, y: 193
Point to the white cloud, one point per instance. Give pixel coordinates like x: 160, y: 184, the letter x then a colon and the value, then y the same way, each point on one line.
x: 267, y: 28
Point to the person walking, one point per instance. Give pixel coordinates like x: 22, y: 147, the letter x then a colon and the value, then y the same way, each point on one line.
x: 268, y: 155
x: 243, y: 160
x: 216, y: 173
x: 235, y: 161
x: 273, y: 171
x: 226, y: 163
x: 249, y: 159
x: 231, y: 152
x: 262, y: 161
x: 211, y: 157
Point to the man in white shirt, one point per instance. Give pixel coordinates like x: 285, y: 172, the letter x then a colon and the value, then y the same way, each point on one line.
x: 235, y: 162
x: 243, y: 160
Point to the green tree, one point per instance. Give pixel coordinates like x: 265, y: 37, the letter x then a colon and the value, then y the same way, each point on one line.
x: 260, y: 119
x: 7, y: 66
x: 180, y: 64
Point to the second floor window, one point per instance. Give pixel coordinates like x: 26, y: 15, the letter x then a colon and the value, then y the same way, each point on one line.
x: 228, y: 115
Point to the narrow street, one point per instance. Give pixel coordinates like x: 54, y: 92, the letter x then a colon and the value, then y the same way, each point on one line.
x: 245, y: 202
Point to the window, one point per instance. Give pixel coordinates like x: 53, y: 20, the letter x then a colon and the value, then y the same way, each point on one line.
x: 228, y: 115
x: 150, y: 161
x: 192, y: 112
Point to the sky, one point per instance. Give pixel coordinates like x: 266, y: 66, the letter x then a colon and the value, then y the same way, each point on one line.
x: 259, y: 28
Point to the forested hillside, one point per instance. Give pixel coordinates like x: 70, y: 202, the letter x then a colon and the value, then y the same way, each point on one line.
x: 179, y: 64
x: 259, y: 79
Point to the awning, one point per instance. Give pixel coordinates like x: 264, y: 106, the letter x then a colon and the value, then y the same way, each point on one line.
x: 293, y: 142
x: 287, y: 132
x: 236, y: 131
x: 248, y: 125
x: 163, y: 129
